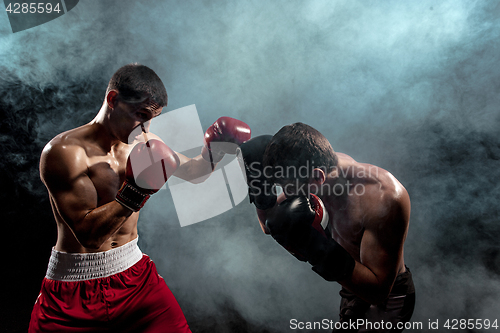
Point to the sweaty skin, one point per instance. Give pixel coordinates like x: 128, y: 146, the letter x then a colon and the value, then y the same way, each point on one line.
x: 83, y: 169
x: 369, y: 218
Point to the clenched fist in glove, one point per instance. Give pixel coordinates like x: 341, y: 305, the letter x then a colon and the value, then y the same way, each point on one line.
x: 223, y: 137
x: 149, y: 165
x: 298, y: 224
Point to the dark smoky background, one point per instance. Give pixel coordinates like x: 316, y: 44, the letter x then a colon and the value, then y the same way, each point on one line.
x: 410, y: 86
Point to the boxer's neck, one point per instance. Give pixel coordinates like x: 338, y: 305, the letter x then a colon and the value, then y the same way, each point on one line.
x: 102, y: 130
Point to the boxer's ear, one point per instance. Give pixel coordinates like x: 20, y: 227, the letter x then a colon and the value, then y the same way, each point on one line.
x: 318, y: 176
x: 112, y: 98
x: 316, y: 180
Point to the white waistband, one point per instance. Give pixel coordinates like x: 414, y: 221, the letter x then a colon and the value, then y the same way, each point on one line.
x: 86, y: 266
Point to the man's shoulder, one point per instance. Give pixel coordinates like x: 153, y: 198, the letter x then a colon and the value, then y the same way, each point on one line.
x: 393, y: 191
x: 65, y: 153
x: 72, y: 141
x: 391, y: 202
x: 63, y: 146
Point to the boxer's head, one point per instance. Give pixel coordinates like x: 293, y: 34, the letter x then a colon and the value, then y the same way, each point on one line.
x: 135, y: 94
x: 137, y: 83
x: 296, y: 154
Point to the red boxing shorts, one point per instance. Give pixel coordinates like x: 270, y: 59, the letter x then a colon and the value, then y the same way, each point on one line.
x: 113, y: 291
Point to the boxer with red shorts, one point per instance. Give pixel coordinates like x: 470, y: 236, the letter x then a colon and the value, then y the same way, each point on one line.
x: 82, y: 292
x: 98, y: 279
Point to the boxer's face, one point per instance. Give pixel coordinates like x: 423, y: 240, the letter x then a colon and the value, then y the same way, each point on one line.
x: 127, y: 116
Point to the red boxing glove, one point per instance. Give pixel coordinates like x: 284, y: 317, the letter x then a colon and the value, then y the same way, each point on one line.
x: 321, y: 218
x: 223, y: 137
x: 149, y: 165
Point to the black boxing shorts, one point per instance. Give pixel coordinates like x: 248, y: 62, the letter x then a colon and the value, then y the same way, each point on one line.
x: 396, y: 310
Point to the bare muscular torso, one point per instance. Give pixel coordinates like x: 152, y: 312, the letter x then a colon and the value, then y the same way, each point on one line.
x: 84, y: 168
x: 358, y: 196
x: 105, y: 169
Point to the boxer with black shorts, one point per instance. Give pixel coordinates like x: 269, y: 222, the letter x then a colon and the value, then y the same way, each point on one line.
x: 349, y: 220
x: 98, y: 279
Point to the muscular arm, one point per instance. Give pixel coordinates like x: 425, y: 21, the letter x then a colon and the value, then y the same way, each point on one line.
x: 381, y: 252
x: 194, y: 170
x: 63, y: 169
x: 222, y: 137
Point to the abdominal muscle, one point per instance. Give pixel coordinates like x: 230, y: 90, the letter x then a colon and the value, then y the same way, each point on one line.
x: 67, y: 242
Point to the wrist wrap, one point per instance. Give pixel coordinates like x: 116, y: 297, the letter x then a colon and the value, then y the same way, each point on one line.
x: 131, y: 197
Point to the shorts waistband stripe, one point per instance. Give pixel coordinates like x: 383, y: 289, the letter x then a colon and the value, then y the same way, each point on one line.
x: 86, y: 266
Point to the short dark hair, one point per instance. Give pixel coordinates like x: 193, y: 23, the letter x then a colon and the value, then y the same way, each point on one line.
x: 135, y: 83
x: 298, y: 146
